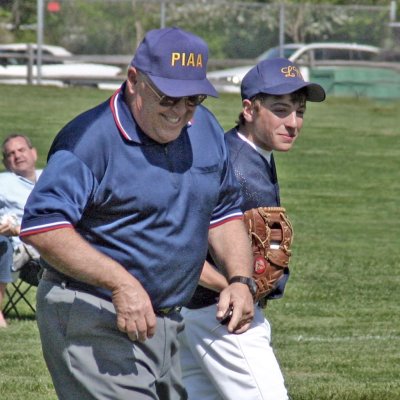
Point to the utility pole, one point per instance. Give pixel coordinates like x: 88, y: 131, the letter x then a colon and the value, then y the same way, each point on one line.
x: 281, y: 29
x: 39, y: 34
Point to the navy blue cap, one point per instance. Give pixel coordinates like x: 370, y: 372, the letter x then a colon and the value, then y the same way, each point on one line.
x: 175, y: 61
x: 278, y: 76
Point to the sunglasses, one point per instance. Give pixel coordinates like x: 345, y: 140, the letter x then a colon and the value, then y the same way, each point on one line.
x: 167, y: 101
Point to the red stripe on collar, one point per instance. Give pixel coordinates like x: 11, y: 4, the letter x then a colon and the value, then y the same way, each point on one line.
x: 114, y: 110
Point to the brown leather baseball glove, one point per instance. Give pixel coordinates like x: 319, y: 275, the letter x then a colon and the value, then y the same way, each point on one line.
x: 271, y: 235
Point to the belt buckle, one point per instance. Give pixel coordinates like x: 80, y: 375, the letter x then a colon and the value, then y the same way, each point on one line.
x: 168, y: 310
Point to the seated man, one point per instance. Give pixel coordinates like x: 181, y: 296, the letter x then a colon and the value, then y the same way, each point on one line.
x: 19, y: 158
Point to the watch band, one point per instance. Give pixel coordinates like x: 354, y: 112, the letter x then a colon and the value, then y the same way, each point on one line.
x: 249, y: 281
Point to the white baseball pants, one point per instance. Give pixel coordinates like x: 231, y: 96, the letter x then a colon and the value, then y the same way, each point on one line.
x: 218, y: 365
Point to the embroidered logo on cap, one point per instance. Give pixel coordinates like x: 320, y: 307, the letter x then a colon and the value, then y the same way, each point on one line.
x: 291, y: 71
x: 187, y: 60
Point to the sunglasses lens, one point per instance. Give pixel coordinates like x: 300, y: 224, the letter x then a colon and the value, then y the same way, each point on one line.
x: 195, y: 100
x: 167, y: 101
x: 191, y: 101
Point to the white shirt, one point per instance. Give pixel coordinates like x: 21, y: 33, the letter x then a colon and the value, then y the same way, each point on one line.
x: 14, y: 192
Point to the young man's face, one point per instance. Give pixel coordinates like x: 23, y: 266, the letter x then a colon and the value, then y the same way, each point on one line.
x: 275, y: 122
x: 19, y: 157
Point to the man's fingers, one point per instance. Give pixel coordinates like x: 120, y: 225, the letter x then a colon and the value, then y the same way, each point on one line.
x: 135, y: 314
x: 223, y: 307
x: 138, y: 330
x: 143, y: 329
x: 227, y: 316
x: 242, y: 327
x: 134, y: 336
x: 132, y: 330
x: 5, y: 229
x: 151, y: 322
x: 121, y: 323
x: 235, y: 308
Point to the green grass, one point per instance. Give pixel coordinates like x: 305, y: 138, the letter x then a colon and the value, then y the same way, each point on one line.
x: 337, y: 330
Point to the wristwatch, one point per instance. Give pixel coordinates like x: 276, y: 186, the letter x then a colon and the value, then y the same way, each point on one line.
x: 251, y: 284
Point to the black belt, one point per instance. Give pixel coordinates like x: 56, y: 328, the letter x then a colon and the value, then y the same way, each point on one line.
x: 70, y: 283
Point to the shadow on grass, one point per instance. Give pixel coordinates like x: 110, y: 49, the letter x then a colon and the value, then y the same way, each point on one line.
x: 21, y: 317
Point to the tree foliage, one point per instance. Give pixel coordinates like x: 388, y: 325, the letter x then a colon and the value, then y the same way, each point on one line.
x: 233, y: 29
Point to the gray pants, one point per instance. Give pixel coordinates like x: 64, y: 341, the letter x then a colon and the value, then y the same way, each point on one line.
x: 89, y: 358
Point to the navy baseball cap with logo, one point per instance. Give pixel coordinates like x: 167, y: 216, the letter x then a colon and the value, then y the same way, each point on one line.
x: 175, y: 61
x: 278, y: 76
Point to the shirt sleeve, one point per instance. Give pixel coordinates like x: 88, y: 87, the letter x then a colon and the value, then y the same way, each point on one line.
x: 60, y: 196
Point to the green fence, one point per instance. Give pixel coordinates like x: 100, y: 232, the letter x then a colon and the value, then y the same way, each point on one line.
x: 377, y: 83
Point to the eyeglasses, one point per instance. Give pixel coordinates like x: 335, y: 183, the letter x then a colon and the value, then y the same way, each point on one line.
x: 167, y: 101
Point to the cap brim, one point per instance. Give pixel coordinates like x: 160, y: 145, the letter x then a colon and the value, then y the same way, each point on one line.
x: 314, y: 92
x: 182, y: 87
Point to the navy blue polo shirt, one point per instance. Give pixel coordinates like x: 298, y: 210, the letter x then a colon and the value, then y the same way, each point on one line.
x: 146, y: 205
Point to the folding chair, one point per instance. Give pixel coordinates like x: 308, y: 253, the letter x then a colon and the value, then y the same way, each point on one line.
x: 28, y: 277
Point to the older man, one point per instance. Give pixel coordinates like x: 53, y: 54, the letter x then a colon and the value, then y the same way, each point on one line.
x: 134, y: 191
x: 19, y: 158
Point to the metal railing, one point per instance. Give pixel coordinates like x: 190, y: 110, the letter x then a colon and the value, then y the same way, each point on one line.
x: 29, y: 58
x: 124, y: 60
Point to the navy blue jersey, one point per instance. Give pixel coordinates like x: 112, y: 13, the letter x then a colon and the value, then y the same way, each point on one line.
x: 257, y: 178
x: 146, y: 205
x: 259, y: 188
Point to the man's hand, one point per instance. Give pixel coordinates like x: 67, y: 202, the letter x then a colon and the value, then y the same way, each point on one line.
x: 230, y: 248
x: 135, y: 314
x: 9, y: 229
x: 237, y: 299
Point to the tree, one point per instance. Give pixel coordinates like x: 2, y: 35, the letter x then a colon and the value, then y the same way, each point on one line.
x: 17, y: 14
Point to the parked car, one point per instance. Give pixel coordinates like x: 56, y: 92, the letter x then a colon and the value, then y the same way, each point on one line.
x: 287, y: 50
x: 54, y: 72
x: 304, y: 55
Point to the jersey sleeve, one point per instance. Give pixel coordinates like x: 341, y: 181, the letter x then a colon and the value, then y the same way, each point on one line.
x: 52, y: 206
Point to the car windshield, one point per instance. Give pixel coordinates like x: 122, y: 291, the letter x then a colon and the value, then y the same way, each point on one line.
x: 14, y: 60
x: 274, y: 52
x: 21, y: 57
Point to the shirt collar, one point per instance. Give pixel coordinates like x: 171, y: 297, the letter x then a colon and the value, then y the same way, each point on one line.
x: 265, y: 153
x: 22, y: 178
x: 123, y: 118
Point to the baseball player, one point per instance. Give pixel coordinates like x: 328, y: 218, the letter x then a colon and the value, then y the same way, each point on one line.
x: 216, y: 364
x: 134, y: 192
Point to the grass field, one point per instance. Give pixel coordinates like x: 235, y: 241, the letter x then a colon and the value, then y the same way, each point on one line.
x: 337, y: 330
